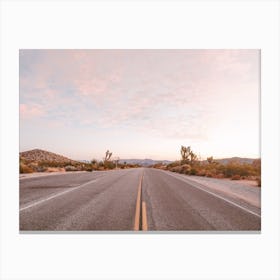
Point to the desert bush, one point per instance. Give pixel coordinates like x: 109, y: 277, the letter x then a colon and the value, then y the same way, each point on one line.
x: 211, y: 168
x: 185, y: 168
x: 201, y: 172
x: 87, y: 168
x: 173, y: 164
x: 235, y: 168
x: 193, y: 171
x: 70, y: 168
x: 257, y: 165
x: 55, y: 169
x: 159, y: 166
x: 175, y: 169
x: 236, y: 177
x: 95, y: 167
x: 41, y: 169
x: 220, y: 176
x: 109, y: 165
x: 23, y: 168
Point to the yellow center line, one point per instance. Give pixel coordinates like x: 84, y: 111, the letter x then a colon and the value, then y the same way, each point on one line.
x: 138, y: 204
x: 144, y: 216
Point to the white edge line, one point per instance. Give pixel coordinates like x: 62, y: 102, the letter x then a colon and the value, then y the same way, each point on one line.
x: 229, y: 201
x: 56, y: 195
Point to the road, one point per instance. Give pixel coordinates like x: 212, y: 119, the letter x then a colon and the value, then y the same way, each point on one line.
x: 129, y: 200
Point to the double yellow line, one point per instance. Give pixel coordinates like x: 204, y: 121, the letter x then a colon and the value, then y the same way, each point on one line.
x: 140, y: 210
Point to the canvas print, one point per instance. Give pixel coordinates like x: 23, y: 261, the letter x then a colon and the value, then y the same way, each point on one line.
x: 139, y: 140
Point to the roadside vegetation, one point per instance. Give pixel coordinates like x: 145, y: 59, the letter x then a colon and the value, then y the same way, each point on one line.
x: 30, y: 166
x: 27, y: 166
x: 191, y: 165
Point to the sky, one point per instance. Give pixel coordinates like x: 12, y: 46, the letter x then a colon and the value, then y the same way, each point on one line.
x: 140, y: 103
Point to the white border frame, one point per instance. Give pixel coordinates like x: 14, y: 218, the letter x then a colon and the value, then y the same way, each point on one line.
x: 140, y: 24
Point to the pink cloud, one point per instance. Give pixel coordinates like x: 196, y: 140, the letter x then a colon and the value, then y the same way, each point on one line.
x: 91, y: 87
x: 134, y: 85
x: 31, y: 111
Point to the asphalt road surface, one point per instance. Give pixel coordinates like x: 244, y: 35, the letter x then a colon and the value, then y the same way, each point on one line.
x: 138, y: 199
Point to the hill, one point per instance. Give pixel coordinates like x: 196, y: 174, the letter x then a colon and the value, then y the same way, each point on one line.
x: 43, y: 161
x: 38, y: 155
x: 235, y: 159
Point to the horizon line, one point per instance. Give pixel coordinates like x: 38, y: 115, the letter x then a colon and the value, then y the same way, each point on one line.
x: 146, y: 158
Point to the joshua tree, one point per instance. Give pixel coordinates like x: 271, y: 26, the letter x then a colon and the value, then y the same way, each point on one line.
x: 107, y: 156
x: 210, y: 160
x: 193, y: 157
x: 188, y: 156
x: 185, y: 153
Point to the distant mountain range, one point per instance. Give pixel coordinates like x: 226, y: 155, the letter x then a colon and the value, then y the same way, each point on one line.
x: 149, y: 162
x: 144, y: 162
x: 237, y: 159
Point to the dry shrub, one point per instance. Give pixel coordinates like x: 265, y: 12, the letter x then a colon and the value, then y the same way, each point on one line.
x: 185, y: 168
x: 173, y: 164
x: 236, y: 177
x: 162, y: 167
x: 175, y: 169
x: 193, y: 171
x: 54, y: 169
x: 201, y: 172
x: 87, y: 168
x: 25, y: 168
x: 41, y: 169
x: 70, y: 168
x: 234, y: 169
